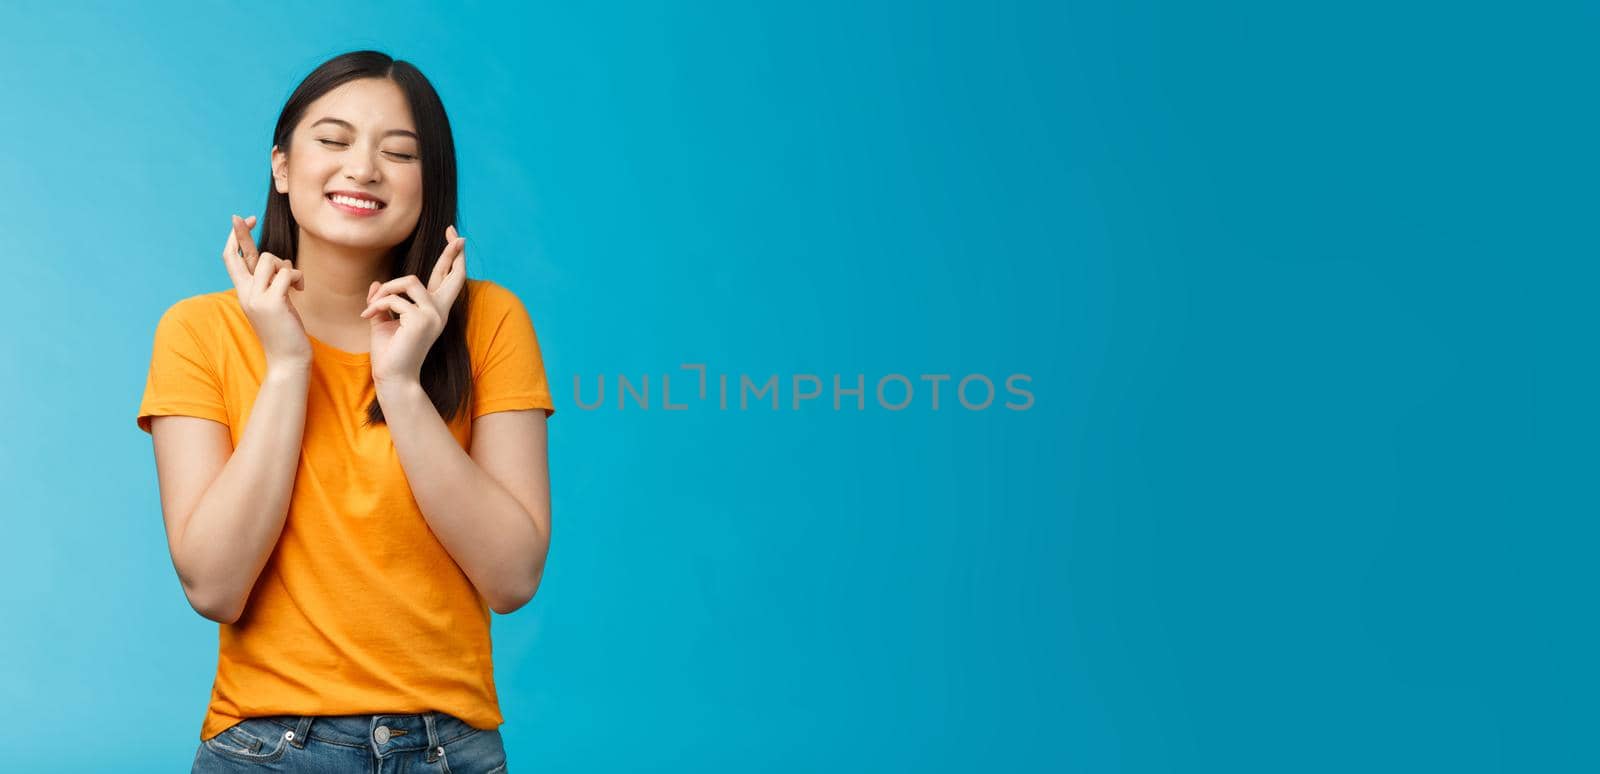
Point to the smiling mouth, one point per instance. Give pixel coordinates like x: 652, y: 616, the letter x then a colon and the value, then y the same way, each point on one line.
x: 365, y: 205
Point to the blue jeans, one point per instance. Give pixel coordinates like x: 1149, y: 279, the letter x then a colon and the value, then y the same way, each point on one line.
x: 357, y: 744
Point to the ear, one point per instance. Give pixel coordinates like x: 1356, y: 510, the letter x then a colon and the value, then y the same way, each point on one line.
x: 280, y: 170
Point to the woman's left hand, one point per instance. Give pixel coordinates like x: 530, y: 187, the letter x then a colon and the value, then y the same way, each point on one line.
x: 408, y: 317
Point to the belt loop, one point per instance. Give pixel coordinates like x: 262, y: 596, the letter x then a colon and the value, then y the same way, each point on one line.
x: 302, y: 731
x: 435, y: 751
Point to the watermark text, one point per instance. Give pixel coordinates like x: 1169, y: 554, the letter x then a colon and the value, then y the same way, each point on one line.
x: 894, y: 392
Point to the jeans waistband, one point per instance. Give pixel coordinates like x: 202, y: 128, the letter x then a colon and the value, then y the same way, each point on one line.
x: 382, y: 734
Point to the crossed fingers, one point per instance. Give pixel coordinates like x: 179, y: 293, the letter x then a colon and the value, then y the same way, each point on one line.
x: 404, y: 294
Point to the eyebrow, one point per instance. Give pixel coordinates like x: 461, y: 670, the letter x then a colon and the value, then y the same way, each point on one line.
x: 351, y: 127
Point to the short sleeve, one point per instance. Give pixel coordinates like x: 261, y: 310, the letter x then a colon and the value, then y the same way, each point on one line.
x: 510, y: 375
x: 181, y: 380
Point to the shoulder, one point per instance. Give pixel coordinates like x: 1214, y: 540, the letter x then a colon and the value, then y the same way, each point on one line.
x: 490, y: 303
x: 497, y: 321
x: 202, y: 309
x: 491, y: 296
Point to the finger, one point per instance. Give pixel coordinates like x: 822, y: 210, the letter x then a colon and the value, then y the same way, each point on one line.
x: 235, y: 266
x: 280, y: 282
x: 445, y: 297
x: 400, y: 296
x: 238, y: 229
x: 297, y: 279
x: 408, y: 285
x: 283, y: 267
x: 393, y: 285
x: 372, y: 289
x: 247, y: 245
x: 450, y: 233
x: 247, y: 242
x: 395, y: 304
x: 411, y: 286
x: 263, y: 273
x: 441, y: 267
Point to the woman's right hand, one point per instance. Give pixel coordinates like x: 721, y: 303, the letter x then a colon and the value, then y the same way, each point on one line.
x: 263, y: 281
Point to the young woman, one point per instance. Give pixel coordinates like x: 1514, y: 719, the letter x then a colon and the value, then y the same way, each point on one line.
x: 351, y: 449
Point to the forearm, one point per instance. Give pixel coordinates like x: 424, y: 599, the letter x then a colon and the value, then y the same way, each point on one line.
x: 497, y: 543
x: 235, y: 525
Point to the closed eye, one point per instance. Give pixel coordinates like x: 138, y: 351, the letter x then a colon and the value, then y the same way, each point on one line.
x: 396, y: 154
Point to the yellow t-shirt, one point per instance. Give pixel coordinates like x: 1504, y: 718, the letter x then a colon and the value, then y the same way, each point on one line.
x: 359, y: 609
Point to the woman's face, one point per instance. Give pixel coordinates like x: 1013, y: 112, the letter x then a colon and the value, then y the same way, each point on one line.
x: 357, y: 139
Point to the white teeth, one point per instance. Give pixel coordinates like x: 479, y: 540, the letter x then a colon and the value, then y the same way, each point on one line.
x: 362, y: 203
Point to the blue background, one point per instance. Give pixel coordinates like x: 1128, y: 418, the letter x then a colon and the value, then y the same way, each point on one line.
x: 1305, y: 296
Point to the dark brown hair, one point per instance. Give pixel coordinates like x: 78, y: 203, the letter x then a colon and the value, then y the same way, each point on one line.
x: 447, y: 369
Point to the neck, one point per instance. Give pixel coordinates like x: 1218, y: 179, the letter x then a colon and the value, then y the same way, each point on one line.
x: 336, y: 279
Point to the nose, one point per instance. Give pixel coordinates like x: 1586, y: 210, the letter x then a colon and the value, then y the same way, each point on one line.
x: 360, y: 167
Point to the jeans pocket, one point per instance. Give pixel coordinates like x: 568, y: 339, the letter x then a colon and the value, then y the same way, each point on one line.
x: 482, y: 752
x: 252, y: 740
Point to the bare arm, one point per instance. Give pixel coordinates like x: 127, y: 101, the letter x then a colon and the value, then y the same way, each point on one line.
x: 225, y: 508
x: 491, y: 508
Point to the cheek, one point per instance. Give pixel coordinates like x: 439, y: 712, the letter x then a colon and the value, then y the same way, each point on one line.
x: 409, y: 200
x: 303, y: 197
x: 306, y: 201
x: 411, y: 190
x: 305, y: 182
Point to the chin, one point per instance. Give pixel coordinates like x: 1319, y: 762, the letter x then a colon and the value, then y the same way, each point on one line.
x: 355, y: 237
x: 373, y: 233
